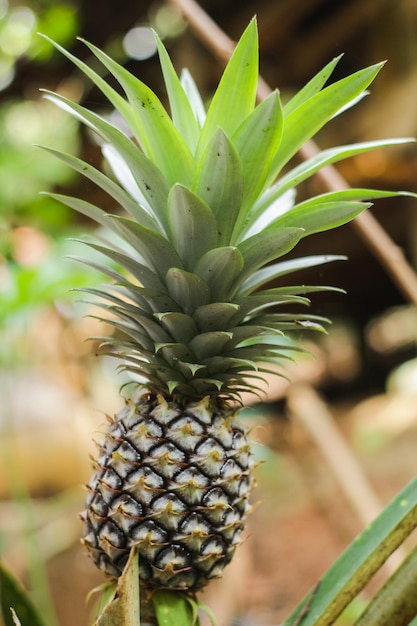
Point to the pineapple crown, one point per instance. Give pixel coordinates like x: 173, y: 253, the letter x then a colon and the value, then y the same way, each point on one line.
x: 208, y: 216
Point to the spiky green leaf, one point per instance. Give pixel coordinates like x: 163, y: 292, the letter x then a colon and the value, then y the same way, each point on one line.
x: 257, y: 140
x: 235, y: 95
x: 156, y: 133
x: 148, y: 177
x: 276, y: 270
x: 311, y: 88
x: 181, y: 111
x: 307, y: 119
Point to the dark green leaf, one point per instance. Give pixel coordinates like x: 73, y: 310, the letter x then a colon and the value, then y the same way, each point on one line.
x: 13, y: 595
x: 188, y: 289
x: 343, y: 581
x: 220, y: 268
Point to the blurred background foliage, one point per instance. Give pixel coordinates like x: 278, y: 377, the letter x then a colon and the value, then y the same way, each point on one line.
x: 53, y: 390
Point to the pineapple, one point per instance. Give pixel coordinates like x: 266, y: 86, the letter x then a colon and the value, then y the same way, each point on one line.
x: 204, y: 216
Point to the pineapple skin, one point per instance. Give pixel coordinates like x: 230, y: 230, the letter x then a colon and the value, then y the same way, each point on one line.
x: 174, y: 480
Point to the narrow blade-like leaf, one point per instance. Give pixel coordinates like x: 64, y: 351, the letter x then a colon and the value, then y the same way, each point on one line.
x: 235, y: 95
x: 109, y: 186
x: 149, y: 178
x: 276, y: 270
x: 307, y: 119
x: 268, y: 246
x: 256, y: 141
x: 158, y: 136
x: 312, y: 87
x: 307, y: 168
x: 181, y: 111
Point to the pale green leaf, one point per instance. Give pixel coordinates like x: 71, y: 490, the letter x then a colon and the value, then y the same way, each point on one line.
x: 215, y: 315
x: 311, y: 88
x: 219, y: 182
x: 267, y: 246
x: 192, y: 225
x: 141, y: 272
x: 181, y: 111
x: 194, y: 97
x: 109, y: 186
x: 305, y: 121
x: 206, y: 345
x: 148, y: 177
x: 235, y: 96
x: 256, y: 141
x: 319, y: 216
x: 118, y: 102
x: 309, y: 167
x: 159, y: 138
x: 331, y: 209
x: 276, y: 270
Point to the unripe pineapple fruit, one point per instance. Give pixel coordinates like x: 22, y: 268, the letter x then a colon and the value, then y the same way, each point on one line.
x: 203, y: 216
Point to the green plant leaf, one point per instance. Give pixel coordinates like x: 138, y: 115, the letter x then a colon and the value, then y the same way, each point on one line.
x: 157, y: 252
x: 187, y: 288
x: 311, y: 88
x: 219, y: 182
x: 173, y: 609
x: 309, y: 167
x: 194, y: 96
x: 256, y: 141
x: 276, y: 270
x: 332, y: 209
x: 141, y: 272
x: 181, y: 111
x: 219, y: 268
x: 124, y: 610
x: 109, y: 186
x: 235, y: 95
x: 306, y: 120
x: 267, y: 246
x: 156, y: 133
x: 193, y: 228
x: 148, y: 177
x: 215, y: 315
x: 318, y: 216
x: 351, y: 572
x: 14, y: 596
x: 115, y: 98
